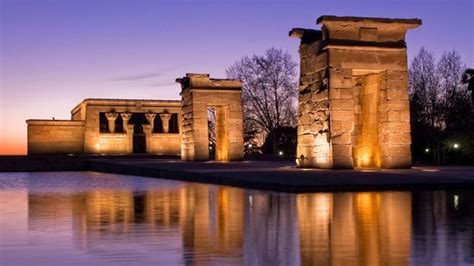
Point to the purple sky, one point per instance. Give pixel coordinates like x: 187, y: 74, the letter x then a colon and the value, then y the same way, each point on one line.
x: 54, y: 53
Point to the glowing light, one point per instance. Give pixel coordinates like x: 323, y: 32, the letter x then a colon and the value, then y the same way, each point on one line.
x: 210, y: 148
x: 429, y: 170
x: 280, y: 153
x: 427, y: 150
x: 456, y: 145
x: 250, y: 146
x: 456, y: 201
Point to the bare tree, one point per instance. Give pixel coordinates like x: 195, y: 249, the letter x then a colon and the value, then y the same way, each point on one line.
x: 454, y: 94
x: 269, y: 91
x: 426, y: 98
x: 440, y: 103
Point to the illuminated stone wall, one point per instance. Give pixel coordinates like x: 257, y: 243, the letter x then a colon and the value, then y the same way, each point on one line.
x: 82, y: 134
x: 97, y: 142
x: 164, y: 144
x: 199, y: 92
x: 353, y: 93
x: 55, y: 136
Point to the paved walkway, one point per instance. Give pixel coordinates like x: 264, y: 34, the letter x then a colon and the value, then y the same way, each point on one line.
x: 283, y: 176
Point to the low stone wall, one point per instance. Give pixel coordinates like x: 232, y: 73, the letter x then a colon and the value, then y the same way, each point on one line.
x: 115, y: 143
x: 55, y: 136
x: 164, y: 144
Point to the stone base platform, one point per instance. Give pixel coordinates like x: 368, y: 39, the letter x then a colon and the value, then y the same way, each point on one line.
x: 265, y: 175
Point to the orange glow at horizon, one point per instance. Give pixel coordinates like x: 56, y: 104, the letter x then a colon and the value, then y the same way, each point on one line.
x: 12, y: 147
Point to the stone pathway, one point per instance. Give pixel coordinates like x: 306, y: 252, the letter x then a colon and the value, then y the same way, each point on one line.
x: 283, y: 176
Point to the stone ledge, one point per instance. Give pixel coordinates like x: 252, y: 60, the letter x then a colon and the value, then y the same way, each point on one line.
x: 410, y: 21
x: 48, y: 122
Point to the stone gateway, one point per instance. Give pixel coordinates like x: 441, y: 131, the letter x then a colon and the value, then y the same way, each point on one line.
x: 353, y: 93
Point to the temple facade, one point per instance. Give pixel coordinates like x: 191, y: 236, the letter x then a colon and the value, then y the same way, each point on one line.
x: 161, y: 127
x: 353, y: 93
x: 111, y: 126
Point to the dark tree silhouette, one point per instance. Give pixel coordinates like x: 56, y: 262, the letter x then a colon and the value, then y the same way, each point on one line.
x: 442, y: 118
x: 269, y: 92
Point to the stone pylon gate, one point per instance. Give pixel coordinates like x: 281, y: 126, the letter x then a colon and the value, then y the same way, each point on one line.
x: 199, y: 92
x: 353, y: 93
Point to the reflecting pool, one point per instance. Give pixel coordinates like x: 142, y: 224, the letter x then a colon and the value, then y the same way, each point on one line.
x: 88, y: 218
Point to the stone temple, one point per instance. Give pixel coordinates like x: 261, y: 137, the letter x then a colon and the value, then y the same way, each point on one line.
x: 353, y: 106
x: 353, y: 93
x: 163, y: 127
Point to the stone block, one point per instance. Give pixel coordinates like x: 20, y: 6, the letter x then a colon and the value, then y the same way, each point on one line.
x: 342, y: 162
x: 341, y: 115
x: 342, y: 104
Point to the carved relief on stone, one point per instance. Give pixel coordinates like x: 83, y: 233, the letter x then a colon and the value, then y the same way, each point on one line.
x: 165, y: 120
x: 125, y: 118
x: 111, y: 117
x: 151, y: 119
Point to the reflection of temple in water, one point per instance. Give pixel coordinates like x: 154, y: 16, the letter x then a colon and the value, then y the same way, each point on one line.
x: 336, y: 228
x: 204, y: 221
x: 211, y: 224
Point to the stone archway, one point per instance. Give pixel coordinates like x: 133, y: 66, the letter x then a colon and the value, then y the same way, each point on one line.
x: 353, y: 93
x: 199, y: 92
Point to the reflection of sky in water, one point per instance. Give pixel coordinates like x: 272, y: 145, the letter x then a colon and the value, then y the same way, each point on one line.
x: 103, y: 219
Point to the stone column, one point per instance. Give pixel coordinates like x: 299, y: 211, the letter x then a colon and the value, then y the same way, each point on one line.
x: 148, y: 131
x: 130, y: 129
x: 125, y: 118
x: 151, y: 120
x: 165, y: 121
x: 111, y: 117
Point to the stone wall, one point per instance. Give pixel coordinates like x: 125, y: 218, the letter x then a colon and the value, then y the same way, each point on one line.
x: 115, y: 143
x: 353, y: 93
x: 164, y: 144
x: 313, y: 147
x: 55, y: 136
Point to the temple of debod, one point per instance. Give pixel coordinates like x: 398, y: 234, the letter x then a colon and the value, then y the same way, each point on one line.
x: 353, y: 106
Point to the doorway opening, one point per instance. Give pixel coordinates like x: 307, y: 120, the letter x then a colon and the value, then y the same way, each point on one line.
x: 366, y: 151
x: 139, y: 140
x: 218, y: 132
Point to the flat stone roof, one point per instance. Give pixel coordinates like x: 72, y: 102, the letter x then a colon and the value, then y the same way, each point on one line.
x: 121, y: 102
x: 414, y: 21
x: 54, y: 122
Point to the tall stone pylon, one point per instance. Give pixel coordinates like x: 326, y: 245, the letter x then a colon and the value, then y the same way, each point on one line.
x: 353, y: 93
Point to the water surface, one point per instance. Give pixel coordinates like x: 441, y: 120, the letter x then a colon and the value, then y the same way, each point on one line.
x: 87, y: 218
